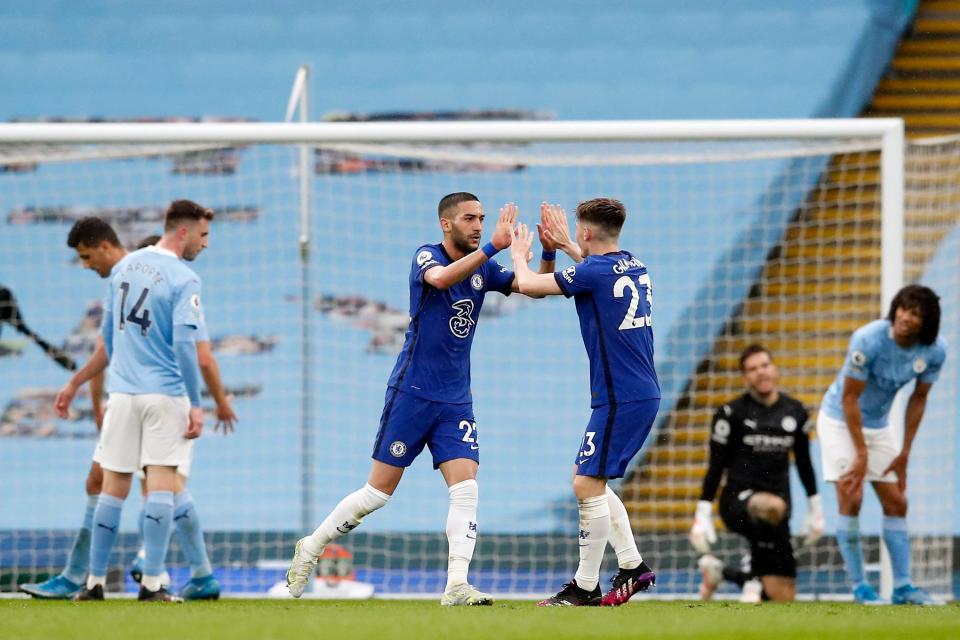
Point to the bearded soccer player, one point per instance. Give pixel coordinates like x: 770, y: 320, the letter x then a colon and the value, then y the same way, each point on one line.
x: 99, y: 250
x: 857, y: 442
x: 751, y: 440
x: 428, y: 400
x: 614, y: 301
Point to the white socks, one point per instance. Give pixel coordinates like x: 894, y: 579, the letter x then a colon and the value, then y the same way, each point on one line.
x: 344, y: 518
x: 594, y: 530
x: 621, y: 534
x: 461, y: 530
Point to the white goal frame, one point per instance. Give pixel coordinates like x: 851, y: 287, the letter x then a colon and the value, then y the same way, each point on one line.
x: 888, y: 131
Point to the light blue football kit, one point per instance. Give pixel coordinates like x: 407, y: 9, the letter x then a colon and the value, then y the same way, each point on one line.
x: 886, y: 367
x: 152, y: 303
x: 152, y: 313
x: 875, y: 358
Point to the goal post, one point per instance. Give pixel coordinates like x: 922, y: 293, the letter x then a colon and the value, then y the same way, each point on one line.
x: 752, y: 230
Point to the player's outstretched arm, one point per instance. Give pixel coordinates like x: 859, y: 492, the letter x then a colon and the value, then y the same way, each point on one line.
x: 916, y: 405
x: 458, y: 271
x: 95, y: 365
x: 553, y: 228
x: 210, y: 371
x: 526, y: 281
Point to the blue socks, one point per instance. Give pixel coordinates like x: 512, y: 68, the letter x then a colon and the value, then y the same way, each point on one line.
x: 106, y: 522
x: 79, y: 560
x: 190, y: 535
x: 157, y: 523
x: 848, y: 539
x: 898, y: 544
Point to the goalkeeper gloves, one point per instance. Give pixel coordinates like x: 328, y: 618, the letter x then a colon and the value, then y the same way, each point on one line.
x: 813, y: 523
x: 702, y: 533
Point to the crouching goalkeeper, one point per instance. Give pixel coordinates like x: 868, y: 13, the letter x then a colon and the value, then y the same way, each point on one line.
x: 751, y: 439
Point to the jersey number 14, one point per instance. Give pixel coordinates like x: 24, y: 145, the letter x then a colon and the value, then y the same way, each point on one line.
x: 643, y: 303
x: 144, y: 319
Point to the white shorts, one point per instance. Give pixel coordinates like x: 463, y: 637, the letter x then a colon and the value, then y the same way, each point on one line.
x: 836, y: 450
x: 144, y: 429
x: 183, y: 469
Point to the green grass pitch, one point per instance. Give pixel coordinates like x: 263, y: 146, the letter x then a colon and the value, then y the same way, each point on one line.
x: 291, y: 620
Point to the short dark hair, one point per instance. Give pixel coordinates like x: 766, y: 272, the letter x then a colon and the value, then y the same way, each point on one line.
x: 915, y: 296
x: 181, y: 211
x: 453, y: 199
x: 752, y: 350
x: 91, y: 231
x: 606, y: 213
x: 149, y: 241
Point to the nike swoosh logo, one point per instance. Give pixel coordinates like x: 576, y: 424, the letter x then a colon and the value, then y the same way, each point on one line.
x: 471, y: 537
x: 582, y: 461
x: 474, y: 447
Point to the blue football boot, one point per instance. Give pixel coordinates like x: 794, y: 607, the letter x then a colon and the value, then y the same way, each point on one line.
x: 909, y: 594
x: 56, y: 588
x: 205, y: 588
x: 864, y: 594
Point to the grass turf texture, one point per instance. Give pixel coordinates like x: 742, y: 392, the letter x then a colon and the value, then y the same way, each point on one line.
x: 240, y: 619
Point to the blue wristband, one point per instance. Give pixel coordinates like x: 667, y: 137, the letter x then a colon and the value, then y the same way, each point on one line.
x: 490, y: 250
x: 550, y: 256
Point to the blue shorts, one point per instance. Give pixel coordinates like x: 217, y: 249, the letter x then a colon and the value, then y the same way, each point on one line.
x: 614, y: 435
x: 408, y: 423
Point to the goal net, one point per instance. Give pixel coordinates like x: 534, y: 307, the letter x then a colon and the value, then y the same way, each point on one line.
x: 749, y: 237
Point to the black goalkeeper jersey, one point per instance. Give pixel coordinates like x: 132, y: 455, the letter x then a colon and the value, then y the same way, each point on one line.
x: 752, y: 443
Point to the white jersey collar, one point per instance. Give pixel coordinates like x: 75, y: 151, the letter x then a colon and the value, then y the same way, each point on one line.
x: 161, y: 250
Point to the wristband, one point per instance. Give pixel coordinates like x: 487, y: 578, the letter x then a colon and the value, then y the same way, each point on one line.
x: 489, y: 250
x: 550, y: 256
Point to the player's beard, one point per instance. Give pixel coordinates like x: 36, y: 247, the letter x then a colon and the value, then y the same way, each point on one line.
x: 463, y: 244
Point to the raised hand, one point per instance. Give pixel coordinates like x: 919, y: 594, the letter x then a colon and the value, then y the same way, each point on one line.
x: 547, y: 239
x: 553, y: 227
x: 503, y: 232
x: 520, y: 249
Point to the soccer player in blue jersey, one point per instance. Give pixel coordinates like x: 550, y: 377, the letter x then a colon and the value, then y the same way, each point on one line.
x: 614, y: 300
x: 857, y: 442
x: 100, y: 250
x: 151, y: 315
x: 428, y: 400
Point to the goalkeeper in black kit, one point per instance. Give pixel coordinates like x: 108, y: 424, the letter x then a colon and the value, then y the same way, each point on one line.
x: 751, y: 439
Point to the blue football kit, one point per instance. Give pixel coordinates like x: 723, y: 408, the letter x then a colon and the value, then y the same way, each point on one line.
x: 428, y: 400
x: 614, y: 300
x: 874, y: 357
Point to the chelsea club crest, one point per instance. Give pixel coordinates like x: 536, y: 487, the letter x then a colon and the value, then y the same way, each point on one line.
x: 476, y: 281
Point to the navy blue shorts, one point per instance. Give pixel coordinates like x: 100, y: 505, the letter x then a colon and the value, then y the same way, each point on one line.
x: 614, y: 435
x: 409, y: 423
